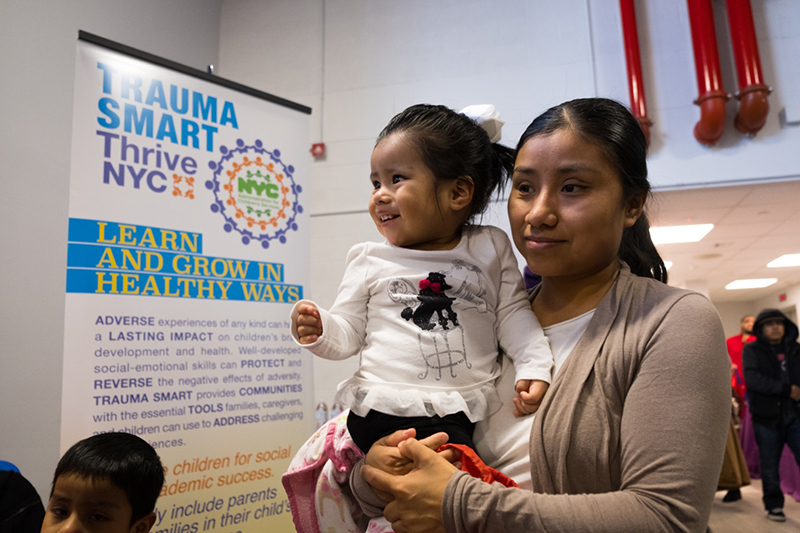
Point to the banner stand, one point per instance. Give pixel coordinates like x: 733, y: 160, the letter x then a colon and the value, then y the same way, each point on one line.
x: 188, y: 244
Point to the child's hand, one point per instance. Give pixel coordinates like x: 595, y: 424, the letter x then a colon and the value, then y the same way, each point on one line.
x: 530, y: 393
x: 309, y: 324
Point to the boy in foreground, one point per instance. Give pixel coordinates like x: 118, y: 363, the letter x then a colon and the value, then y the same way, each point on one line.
x: 107, y: 483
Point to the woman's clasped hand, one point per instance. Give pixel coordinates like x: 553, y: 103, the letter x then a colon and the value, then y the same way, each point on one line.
x: 415, y: 488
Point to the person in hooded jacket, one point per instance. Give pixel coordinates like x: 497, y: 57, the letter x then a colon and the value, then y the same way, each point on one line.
x: 772, y: 373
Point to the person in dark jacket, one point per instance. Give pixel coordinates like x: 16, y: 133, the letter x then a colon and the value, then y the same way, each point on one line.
x: 772, y: 373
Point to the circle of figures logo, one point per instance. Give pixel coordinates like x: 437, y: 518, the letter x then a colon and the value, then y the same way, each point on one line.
x: 255, y: 192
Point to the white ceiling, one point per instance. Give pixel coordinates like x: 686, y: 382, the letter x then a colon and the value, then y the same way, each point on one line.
x: 753, y: 224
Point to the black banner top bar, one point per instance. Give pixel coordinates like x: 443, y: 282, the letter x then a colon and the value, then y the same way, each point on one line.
x: 189, y: 71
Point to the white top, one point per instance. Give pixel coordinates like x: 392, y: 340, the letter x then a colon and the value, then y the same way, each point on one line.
x: 427, y: 324
x: 502, y: 440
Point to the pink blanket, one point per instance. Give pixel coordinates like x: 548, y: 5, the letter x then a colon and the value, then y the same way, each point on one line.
x: 317, y: 484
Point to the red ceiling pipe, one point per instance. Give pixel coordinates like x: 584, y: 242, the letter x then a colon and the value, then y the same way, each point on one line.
x: 632, y: 59
x: 752, y: 93
x: 711, y: 97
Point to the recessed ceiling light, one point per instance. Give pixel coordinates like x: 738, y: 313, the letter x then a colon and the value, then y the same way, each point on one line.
x: 675, y: 234
x: 668, y: 264
x: 787, y: 260
x: 750, y: 283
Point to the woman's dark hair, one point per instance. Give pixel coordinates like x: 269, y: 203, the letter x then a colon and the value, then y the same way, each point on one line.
x: 611, y: 127
x: 453, y: 146
x: 126, y: 460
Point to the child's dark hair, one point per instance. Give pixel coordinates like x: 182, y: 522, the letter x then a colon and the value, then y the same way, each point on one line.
x: 126, y: 460
x: 454, y: 146
x: 613, y: 129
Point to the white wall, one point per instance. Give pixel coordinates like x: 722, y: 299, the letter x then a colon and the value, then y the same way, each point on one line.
x: 731, y: 314
x: 789, y: 306
x: 37, y: 39
x: 359, y: 62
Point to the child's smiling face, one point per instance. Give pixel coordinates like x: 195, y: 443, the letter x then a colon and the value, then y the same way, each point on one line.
x: 90, y: 505
x: 406, y: 206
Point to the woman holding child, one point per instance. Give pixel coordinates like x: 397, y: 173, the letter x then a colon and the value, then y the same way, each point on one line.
x: 631, y: 433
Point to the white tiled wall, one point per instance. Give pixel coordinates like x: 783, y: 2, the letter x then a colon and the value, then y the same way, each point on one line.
x: 521, y: 55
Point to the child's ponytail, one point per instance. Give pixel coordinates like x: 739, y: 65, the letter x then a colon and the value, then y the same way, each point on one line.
x: 504, y: 161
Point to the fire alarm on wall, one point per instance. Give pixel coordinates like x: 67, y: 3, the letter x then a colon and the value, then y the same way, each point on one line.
x: 782, y: 297
x: 318, y: 149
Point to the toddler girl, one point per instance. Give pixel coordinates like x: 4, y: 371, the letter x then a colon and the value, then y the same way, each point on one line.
x: 426, y: 310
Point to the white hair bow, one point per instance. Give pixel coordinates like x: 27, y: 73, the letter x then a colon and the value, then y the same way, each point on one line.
x: 486, y: 117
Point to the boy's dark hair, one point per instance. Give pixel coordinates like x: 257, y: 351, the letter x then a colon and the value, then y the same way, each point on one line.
x: 613, y: 129
x: 126, y: 460
x: 454, y: 146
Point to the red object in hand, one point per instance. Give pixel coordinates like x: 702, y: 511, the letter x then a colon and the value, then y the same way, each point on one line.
x: 318, y: 149
x: 474, y: 466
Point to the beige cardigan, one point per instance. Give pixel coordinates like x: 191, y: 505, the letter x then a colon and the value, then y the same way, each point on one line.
x: 631, y: 434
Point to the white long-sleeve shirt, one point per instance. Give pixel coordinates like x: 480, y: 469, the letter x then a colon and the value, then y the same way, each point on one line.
x: 427, y: 325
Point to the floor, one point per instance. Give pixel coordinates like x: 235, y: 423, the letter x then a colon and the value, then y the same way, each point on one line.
x: 748, y: 515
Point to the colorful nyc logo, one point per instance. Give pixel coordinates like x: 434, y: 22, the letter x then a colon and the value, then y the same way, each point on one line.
x: 255, y: 192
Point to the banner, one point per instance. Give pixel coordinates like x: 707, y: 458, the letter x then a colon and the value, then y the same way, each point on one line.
x: 188, y: 245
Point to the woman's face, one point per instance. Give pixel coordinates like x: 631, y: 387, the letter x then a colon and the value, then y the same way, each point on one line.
x: 566, y: 207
